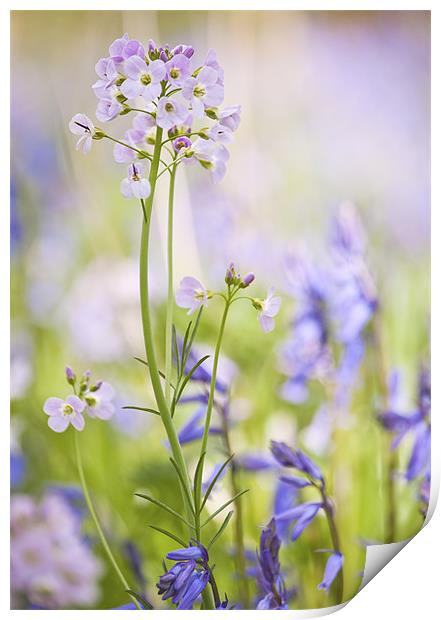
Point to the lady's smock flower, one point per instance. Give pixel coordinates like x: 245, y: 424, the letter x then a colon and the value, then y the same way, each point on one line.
x: 203, y: 91
x: 268, y: 309
x: 192, y: 294
x: 142, y: 78
x: 134, y: 186
x: 82, y: 126
x: 64, y: 412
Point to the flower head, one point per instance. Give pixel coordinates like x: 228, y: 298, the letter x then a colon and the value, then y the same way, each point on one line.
x: 64, y: 412
x: 186, y: 580
x: 142, y: 78
x: 269, y: 575
x: 178, y: 69
x: 192, y: 294
x: 135, y: 186
x: 99, y: 401
x: 82, y: 126
x: 268, y: 309
x: 170, y: 112
x: 332, y: 569
x: 203, y: 91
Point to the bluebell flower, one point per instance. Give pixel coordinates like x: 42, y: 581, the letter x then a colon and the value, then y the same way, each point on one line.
x: 135, y: 561
x: 302, y: 515
x: 256, y: 461
x: 202, y: 373
x: 194, y: 428
x: 285, y: 497
x: 17, y: 469
x: 305, y: 355
x: 269, y: 576
x: 126, y: 606
x: 295, y: 459
x: 332, y: 569
x: 416, y: 423
x: 186, y: 580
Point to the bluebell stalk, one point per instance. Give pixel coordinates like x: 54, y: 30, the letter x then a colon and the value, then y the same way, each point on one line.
x: 303, y: 514
x: 269, y: 576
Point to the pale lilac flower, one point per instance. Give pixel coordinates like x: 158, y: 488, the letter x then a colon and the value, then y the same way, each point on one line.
x: 99, y: 401
x: 122, y: 49
x: 230, y: 117
x: 142, y: 78
x: 182, y: 143
x: 134, y: 185
x: 191, y: 294
x: 268, y: 309
x: 178, y: 69
x: 141, y: 134
x: 211, y: 61
x: 82, y: 126
x: 221, y: 133
x: 64, y: 412
x: 109, y: 107
x: 203, y: 91
x: 170, y: 112
x: 107, y: 73
x: 212, y: 156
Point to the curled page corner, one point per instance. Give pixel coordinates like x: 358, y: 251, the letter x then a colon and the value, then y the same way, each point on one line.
x: 377, y: 556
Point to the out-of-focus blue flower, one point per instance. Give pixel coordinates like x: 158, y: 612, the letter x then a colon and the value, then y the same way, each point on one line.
x: 332, y: 569
x: 269, y: 576
x: 135, y: 561
x: 305, y: 355
x: 257, y: 461
x: 71, y: 494
x: 126, y: 606
x: 186, y: 580
x: 303, y: 515
x: 417, y: 423
x: 17, y: 469
x: 295, y: 459
x: 285, y: 498
x: 194, y: 428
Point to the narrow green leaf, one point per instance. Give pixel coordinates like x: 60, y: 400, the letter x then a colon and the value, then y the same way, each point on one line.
x: 142, y: 409
x: 192, y: 337
x: 183, y: 485
x: 215, y: 479
x: 221, y: 529
x: 144, y: 602
x: 169, y: 534
x: 189, y: 376
x: 161, y: 374
x: 175, y: 350
x: 197, y: 483
x: 157, y: 502
x: 216, y: 512
x: 184, y: 345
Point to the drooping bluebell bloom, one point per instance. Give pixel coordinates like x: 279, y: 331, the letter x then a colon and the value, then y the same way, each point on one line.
x: 269, y: 576
x: 295, y: 459
x: 135, y: 561
x: 416, y: 423
x: 186, y: 580
x: 305, y: 355
x: 302, y: 515
x: 202, y: 373
x: 332, y: 569
x: 17, y: 469
x: 285, y: 497
x: 256, y: 461
x: 194, y: 428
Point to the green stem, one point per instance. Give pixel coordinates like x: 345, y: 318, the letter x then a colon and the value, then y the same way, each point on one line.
x: 169, y: 314
x: 244, y: 593
x: 96, y: 520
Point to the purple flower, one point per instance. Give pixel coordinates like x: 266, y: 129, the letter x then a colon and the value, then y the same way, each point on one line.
x: 122, y: 49
x: 64, y: 412
x: 269, y: 575
x: 186, y: 580
x: 99, y: 401
x: 181, y: 143
x: 170, y: 112
x: 193, y: 429
x: 303, y: 515
x: 257, y: 462
x: 230, y: 117
x: 332, y: 569
x: 295, y: 459
x: 212, y: 156
x: 211, y: 61
x: 109, y: 106
x: 191, y: 294
x: 285, y: 498
x: 268, y: 309
x: 70, y: 375
x: 178, y: 69
x: 134, y: 186
x: 107, y: 74
x: 221, y: 133
x: 142, y: 78
x: 203, y: 91
x: 82, y: 126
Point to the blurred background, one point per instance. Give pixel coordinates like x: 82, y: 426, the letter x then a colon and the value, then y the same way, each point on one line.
x: 335, y: 107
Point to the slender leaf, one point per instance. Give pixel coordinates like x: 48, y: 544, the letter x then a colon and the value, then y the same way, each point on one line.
x: 157, y: 502
x: 161, y: 374
x: 184, y: 345
x: 215, y: 479
x: 197, y: 483
x: 221, y: 529
x: 142, y: 409
x: 144, y: 602
x: 175, y: 350
x: 189, y: 376
x: 216, y: 512
x: 192, y: 337
x: 169, y: 534
x: 183, y: 485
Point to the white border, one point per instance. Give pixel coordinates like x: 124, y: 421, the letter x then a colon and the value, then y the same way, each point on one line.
x: 409, y: 585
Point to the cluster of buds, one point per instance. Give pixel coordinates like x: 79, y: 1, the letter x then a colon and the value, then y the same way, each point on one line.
x: 233, y: 278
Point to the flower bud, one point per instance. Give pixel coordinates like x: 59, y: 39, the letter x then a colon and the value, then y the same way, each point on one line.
x: 96, y: 387
x: 188, y: 50
x: 98, y: 134
x: 247, y: 280
x: 212, y: 113
x: 70, y: 376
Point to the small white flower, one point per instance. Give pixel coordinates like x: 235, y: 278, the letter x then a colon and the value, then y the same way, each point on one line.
x: 268, y: 309
x: 192, y: 294
x: 82, y: 126
x: 134, y: 186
